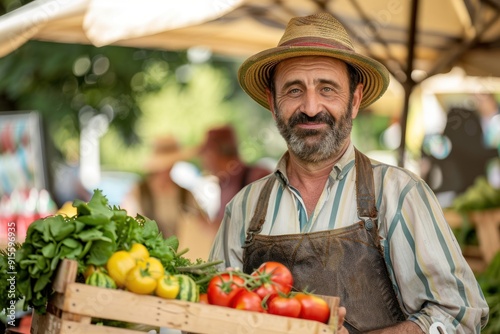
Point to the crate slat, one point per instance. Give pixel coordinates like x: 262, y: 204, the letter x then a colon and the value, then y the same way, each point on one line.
x: 72, y: 327
x: 46, y: 324
x: 66, y: 273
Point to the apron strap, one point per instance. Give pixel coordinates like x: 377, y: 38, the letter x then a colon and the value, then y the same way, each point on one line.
x: 259, y: 216
x: 365, y: 188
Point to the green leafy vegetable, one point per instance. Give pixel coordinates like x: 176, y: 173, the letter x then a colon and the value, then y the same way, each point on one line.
x: 480, y: 196
x: 90, y: 237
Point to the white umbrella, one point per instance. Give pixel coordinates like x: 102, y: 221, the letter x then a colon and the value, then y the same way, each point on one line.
x: 102, y: 23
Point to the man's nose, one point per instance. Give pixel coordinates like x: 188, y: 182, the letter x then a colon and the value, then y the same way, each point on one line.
x: 311, y: 105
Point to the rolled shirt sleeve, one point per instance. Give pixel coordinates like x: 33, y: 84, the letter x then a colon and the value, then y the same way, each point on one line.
x: 430, y: 274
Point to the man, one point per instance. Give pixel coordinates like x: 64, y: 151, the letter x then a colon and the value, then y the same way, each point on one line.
x: 156, y: 195
x: 465, y: 158
x: 220, y: 156
x: 370, y: 233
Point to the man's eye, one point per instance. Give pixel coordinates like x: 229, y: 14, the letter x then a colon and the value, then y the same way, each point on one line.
x: 327, y: 89
x: 294, y: 91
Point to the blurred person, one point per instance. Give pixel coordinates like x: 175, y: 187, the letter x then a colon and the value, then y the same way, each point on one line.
x: 489, y: 115
x: 489, y: 111
x: 220, y: 157
x: 456, y: 158
x: 67, y: 184
x: 346, y: 225
x: 173, y: 207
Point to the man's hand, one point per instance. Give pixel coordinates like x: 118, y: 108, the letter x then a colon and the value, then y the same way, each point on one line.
x: 341, y: 316
x: 406, y: 327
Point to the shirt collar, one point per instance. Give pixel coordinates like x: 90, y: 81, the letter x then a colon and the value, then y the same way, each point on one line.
x: 339, y: 170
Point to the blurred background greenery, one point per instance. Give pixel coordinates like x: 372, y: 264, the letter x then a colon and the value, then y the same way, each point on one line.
x: 142, y: 93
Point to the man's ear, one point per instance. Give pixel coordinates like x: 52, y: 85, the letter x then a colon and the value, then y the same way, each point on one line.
x: 270, y: 102
x: 356, y: 100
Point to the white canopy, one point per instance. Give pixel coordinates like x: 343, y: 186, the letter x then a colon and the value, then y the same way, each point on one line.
x: 415, y: 39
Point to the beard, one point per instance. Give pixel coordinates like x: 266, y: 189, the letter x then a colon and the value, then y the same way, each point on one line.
x: 311, y: 145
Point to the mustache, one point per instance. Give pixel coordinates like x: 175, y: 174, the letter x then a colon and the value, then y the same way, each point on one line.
x: 301, y: 118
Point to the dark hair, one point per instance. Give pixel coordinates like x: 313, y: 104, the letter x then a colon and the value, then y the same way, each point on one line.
x: 354, y: 79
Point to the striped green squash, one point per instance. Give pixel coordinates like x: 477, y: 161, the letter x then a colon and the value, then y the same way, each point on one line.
x: 188, y: 289
x: 100, y: 279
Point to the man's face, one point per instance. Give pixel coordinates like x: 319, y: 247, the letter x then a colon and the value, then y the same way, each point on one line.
x: 313, y: 107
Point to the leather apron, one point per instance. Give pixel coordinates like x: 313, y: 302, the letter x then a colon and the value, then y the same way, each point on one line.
x: 347, y: 262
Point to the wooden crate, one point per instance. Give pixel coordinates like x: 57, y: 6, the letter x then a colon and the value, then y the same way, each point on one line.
x: 74, y: 305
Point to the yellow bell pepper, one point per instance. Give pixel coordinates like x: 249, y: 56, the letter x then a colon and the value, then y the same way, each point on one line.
x: 143, y: 277
x: 139, y: 251
x: 118, y: 265
x: 167, y: 287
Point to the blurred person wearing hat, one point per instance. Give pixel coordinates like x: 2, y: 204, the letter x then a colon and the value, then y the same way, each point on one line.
x: 174, y: 208
x: 345, y: 225
x: 220, y: 157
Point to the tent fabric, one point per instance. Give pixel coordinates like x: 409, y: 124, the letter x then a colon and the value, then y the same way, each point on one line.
x: 448, y: 32
x: 414, y: 39
x: 100, y: 23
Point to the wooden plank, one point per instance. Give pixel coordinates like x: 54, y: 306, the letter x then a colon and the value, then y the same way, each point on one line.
x: 333, y: 303
x: 487, y: 224
x: 71, y: 327
x: 192, y: 317
x: 83, y: 319
x: 45, y: 324
x: 66, y: 273
x: 57, y: 300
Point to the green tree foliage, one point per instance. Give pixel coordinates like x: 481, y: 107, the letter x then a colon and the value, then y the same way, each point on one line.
x: 62, y: 80
x: 143, y: 93
x: 66, y: 82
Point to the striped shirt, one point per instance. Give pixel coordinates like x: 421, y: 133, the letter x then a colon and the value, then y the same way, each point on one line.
x: 429, y: 273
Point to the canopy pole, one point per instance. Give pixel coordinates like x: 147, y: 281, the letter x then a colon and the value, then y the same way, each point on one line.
x: 409, y: 83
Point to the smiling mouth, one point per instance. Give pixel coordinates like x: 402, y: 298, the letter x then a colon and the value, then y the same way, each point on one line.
x: 311, y: 125
x: 318, y: 121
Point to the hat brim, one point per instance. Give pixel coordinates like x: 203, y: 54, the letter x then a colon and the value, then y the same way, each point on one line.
x: 160, y: 162
x: 254, y: 74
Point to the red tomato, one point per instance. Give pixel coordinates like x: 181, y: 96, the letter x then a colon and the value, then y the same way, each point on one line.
x: 313, y: 307
x: 277, y: 274
x: 222, y: 288
x: 247, y: 300
x: 267, y: 291
x: 285, y: 306
x: 203, y: 298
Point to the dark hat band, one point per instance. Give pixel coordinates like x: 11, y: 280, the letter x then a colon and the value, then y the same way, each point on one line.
x: 315, y: 42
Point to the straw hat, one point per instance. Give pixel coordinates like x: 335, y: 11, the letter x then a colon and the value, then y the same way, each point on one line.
x: 166, y: 152
x: 315, y: 35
